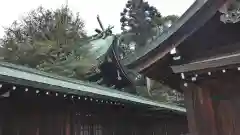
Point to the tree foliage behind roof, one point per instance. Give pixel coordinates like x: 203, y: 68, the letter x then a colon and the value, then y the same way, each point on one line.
x: 143, y: 19
x: 44, y: 38
x: 141, y: 24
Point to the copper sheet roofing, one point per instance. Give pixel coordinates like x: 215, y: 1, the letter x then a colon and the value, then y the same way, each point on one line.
x: 33, y: 78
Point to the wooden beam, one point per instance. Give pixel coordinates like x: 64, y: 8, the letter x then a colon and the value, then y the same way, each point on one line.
x: 220, y: 61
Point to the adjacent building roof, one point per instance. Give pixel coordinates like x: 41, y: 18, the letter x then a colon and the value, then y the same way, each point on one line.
x: 33, y: 78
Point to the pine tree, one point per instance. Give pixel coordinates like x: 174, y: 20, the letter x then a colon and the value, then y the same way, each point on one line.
x: 48, y: 40
x: 140, y: 18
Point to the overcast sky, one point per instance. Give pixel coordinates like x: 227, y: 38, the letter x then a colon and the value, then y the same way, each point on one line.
x: 109, y: 10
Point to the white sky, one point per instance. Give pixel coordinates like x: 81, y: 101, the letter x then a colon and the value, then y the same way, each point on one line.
x: 109, y: 10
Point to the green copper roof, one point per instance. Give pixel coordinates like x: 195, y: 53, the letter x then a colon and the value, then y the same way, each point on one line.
x: 30, y: 77
x: 101, y: 46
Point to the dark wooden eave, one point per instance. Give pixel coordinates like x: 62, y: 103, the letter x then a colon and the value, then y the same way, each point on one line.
x: 195, y: 17
x: 200, y: 31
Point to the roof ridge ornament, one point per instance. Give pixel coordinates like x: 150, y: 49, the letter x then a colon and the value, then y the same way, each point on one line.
x: 231, y: 12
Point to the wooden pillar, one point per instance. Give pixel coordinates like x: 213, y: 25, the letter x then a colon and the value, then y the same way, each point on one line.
x: 213, y: 105
x: 200, y: 113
